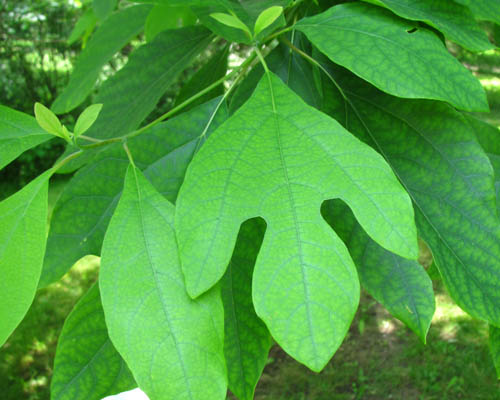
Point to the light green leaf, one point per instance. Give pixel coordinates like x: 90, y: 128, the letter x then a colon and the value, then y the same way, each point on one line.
x: 495, y: 347
x: 166, y: 17
x: 87, y: 118
x: 133, y: 92
x: 434, y: 152
x: 400, y: 285
x: 48, y: 121
x: 23, y: 228
x: 214, y: 69
x: 246, y: 338
x: 82, y: 213
x: 454, y: 20
x: 114, y: 33
x: 266, y: 18
x: 305, y: 286
x: 143, y: 295
x: 384, y: 50
x: 87, y: 366
x: 487, y: 10
x: 103, y: 8
x: 18, y: 132
x: 231, y: 20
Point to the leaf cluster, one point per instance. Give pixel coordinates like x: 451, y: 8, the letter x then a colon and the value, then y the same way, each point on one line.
x: 259, y: 205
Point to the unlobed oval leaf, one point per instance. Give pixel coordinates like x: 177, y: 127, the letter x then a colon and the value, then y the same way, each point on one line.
x: 305, y: 286
x: 393, y: 54
x: 231, y: 20
x: 23, y: 234
x: 172, y: 344
x: 455, y: 21
x: 18, y: 132
x: 87, y: 118
x: 266, y: 18
x: 47, y: 120
x: 87, y: 366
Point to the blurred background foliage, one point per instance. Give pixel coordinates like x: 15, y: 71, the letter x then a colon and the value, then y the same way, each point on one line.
x: 380, y: 358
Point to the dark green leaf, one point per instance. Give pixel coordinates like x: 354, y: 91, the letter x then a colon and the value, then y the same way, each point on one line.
x: 23, y: 228
x: 454, y: 20
x: 246, y: 338
x: 434, y: 152
x: 489, y: 139
x: 18, y: 132
x: 84, y: 24
x: 143, y: 296
x: 103, y: 8
x: 162, y: 18
x: 132, y: 93
x: 487, y: 10
x: 495, y: 347
x: 400, y: 285
x: 112, y: 35
x: 305, y: 286
x: 87, y: 366
x: 214, y: 69
x: 82, y: 213
x: 383, y: 49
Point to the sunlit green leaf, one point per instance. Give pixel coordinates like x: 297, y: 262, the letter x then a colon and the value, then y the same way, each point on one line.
x: 305, y: 286
x: 18, y: 133
x: 231, y: 20
x: 87, y: 118
x: 266, y: 18
x: 23, y: 233
x: 172, y: 344
x: 47, y: 120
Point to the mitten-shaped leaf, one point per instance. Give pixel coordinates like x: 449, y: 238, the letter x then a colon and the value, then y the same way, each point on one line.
x: 386, y: 51
x: 23, y: 234
x: 305, y: 286
x: 87, y: 365
x: 172, y: 344
x: 246, y: 337
x: 400, y: 285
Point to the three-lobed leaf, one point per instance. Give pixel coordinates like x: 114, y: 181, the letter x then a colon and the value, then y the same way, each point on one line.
x: 393, y: 54
x: 172, y: 344
x: 305, y: 286
x: 86, y: 365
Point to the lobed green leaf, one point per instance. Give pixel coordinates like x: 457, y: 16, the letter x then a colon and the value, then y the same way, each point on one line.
x: 305, y: 286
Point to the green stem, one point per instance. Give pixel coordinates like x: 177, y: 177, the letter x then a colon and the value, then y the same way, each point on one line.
x: 276, y: 34
x: 129, y: 154
x: 67, y: 159
x: 173, y: 111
